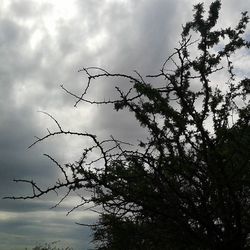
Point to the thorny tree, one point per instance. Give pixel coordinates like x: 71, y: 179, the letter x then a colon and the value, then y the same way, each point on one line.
x: 187, y: 186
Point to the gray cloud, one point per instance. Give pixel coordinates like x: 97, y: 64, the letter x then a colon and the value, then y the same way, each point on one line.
x: 39, y: 51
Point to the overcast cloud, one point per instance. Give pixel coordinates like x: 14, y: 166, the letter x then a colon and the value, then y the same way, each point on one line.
x: 42, y: 45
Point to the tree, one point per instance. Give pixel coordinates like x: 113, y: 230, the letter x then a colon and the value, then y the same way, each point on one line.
x: 187, y: 185
x: 50, y: 246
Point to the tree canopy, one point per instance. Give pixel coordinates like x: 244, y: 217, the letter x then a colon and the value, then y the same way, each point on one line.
x: 187, y: 184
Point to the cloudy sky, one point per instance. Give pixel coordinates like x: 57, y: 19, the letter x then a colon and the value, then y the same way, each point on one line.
x: 43, y: 43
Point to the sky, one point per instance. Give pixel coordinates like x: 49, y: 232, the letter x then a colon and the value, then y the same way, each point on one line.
x: 43, y: 44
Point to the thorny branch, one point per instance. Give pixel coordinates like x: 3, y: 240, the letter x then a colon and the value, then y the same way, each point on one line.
x: 177, y: 171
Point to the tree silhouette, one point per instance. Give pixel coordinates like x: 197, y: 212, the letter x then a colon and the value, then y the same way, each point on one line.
x: 49, y: 246
x: 187, y: 185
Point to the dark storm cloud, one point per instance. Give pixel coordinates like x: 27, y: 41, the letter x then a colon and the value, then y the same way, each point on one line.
x: 36, y: 57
